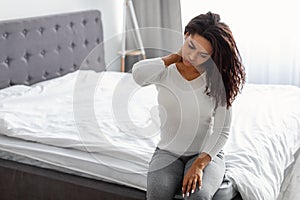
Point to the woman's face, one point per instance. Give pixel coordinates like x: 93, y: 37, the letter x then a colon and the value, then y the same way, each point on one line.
x: 196, y: 50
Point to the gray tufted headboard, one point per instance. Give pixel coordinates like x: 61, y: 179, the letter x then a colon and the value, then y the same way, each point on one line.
x: 41, y: 48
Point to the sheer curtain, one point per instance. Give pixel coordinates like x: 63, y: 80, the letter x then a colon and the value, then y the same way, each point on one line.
x: 160, y: 26
x: 267, y: 34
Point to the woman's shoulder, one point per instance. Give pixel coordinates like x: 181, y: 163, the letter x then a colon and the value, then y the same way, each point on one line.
x: 156, y: 60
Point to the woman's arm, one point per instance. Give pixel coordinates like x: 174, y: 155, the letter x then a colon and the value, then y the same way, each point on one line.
x: 194, y: 174
x: 215, y: 142
x: 148, y: 71
x: 220, y: 132
x: 151, y: 70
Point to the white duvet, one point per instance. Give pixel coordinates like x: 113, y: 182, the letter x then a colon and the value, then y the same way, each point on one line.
x: 264, y: 137
x: 107, y: 112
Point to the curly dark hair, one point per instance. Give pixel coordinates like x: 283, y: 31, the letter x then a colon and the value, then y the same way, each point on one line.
x: 225, y: 62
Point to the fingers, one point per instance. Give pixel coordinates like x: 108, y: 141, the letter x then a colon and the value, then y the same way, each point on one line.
x: 184, y: 186
x: 200, y: 183
x: 189, y: 185
x: 190, y: 182
x: 194, y: 185
x: 179, y: 55
x: 179, y: 52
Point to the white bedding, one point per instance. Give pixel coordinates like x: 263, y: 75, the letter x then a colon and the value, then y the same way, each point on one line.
x: 119, y: 119
x: 265, y: 136
x: 45, y: 113
x: 96, y: 166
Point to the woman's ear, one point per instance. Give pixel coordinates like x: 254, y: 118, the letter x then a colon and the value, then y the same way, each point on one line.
x: 186, y: 35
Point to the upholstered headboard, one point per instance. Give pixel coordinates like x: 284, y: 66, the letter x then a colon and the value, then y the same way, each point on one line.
x: 41, y: 48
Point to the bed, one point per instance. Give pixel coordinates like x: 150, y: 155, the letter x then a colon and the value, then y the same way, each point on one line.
x: 70, y: 129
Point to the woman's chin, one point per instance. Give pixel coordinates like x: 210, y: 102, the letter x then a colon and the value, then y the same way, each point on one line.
x: 187, y: 63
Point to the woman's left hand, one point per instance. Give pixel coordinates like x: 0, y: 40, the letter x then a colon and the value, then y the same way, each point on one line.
x: 192, y: 177
x: 194, y: 174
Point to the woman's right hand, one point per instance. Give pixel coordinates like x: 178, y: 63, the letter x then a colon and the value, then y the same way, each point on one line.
x: 172, y: 58
x: 175, y: 57
x: 179, y: 52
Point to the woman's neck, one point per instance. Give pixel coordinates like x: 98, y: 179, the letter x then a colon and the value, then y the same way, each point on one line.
x: 189, y: 69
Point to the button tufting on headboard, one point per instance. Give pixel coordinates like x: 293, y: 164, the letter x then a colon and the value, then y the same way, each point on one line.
x: 40, y: 48
x: 57, y: 27
x: 58, y: 48
x: 24, y: 32
x: 86, y: 42
x: 71, y: 24
x: 98, y: 41
x: 41, y: 30
x: 84, y: 22
x: 27, y: 56
x: 5, y: 35
x: 73, y: 45
x: 43, y: 53
x: 10, y: 83
x: 74, y: 67
x: 45, y: 74
x: 29, y: 78
x: 7, y: 61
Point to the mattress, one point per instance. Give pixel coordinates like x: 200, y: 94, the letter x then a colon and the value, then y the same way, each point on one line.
x: 83, y: 164
x: 96, y: 166
x: 105, y: 126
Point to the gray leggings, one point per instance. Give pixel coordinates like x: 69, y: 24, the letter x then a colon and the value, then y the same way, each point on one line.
x: 166, y: 172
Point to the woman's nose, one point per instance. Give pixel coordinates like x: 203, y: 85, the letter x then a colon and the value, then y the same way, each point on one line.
x: 192, y: 56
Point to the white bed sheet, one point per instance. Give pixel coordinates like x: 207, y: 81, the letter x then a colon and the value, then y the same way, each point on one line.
x: 107, y: 113
x: 96, y: 165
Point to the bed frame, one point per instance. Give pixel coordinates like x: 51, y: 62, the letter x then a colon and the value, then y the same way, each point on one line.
x: 38, y: 49
x: 22, y: 181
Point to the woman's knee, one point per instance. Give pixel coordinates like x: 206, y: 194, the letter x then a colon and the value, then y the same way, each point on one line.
x: 200, y: 195
x: 164, y: 176
x: 159, y: 192
x: 162, y: 186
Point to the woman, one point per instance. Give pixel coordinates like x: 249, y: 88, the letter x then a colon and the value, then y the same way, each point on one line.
x: 196, y: 88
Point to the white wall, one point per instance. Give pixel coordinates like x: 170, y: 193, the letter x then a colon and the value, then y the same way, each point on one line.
x: 266, y: 32
x: 111, y: 15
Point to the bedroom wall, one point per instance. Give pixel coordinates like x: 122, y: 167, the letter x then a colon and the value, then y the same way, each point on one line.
x: 111, y: 15
x: 267, y: 34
